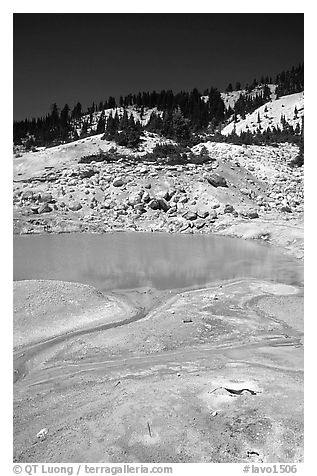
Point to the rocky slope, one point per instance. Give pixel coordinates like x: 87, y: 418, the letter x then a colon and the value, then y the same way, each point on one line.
x: 235, y: 186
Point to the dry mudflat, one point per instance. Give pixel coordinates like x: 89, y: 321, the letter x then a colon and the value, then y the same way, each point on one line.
x: 209, y: 375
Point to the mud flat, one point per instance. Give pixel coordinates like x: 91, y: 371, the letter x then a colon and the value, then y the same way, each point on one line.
x: 204, y: 375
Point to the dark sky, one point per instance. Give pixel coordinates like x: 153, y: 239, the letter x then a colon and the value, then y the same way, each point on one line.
x: 65, y: 58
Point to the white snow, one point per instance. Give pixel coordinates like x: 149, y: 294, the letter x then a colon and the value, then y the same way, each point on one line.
x: 270, y: 115
x: 231, y: 98
x: 131, y: 110
x: 67, y: 155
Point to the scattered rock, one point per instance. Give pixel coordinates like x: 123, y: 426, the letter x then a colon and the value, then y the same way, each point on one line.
x: 203, y: 214
x: 140, y: 208
x: 253, y: 214
x: 75, y: 206
x: 135, y: 198
x: 154, y: 204
x: 212, y: 216
x: 146, y: 197
x: 44, y: 208
x: 190, y: 215
x: 245, y: 191
x: 118, y: 182
x: 200, y: 224
x: 42, y: 434
x: 87, y: 173
x: 46, y: 197
x: 217, y: 180
x: 34, y: 208
x: 228, y: 209
x: 163, y: 205
x: 183, y: 199
x: 27, y: 195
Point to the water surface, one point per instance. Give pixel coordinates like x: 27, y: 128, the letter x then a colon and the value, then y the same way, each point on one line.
x: 161, y: 261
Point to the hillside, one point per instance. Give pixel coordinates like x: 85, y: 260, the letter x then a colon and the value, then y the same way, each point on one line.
x: 133, y: 111
x: 270, y: 115
x: 188, y: 162
x: 233, y: 189
x: 230, y: 98
x: 184, y: 116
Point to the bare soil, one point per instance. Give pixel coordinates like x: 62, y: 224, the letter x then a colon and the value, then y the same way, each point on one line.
x: 205, y: 376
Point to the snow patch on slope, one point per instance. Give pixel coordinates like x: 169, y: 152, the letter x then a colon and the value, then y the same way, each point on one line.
x: 131, y: 111
x: 270, y: 115
x: 230, y: 98
x: 67, y: 155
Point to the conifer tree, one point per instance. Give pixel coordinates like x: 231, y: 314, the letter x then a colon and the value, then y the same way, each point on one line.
x: 101, y: 124
x: 77, y: 111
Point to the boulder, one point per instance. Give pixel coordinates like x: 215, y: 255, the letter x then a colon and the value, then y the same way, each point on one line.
x: 190, y: 216
x: 34, y: 208
x: 166, y: 194
x: 200, y: 223
x: 140, y: 208
x: 163, y: 204
x: 118, y: 182
x: 172, y: 211
x: 87, y: 173
x: 154, y: 204
x: 73, y: 182
x: 144, y: 170
x: 42, y: 434
x: 183, y: 199
x: 75, y: 206
x: 217, y: 180
x: 44, y: 208
x: 27, y: 195
x: 135, y: 198
x: 203, y: 214
x: 46, y: 197
x: 245, y: 191
x: 146, y: 197
x: 228, y: 209
x: 107, y: 204
x: 252, y: 214
x: 286, y: 208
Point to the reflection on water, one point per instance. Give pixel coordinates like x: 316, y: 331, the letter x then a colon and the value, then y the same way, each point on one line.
x: 162, y: 261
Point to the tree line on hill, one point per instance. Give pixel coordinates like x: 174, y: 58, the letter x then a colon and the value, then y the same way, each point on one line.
x: 179, y: 116
x: 185, y: 110
x: 288, y: 82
